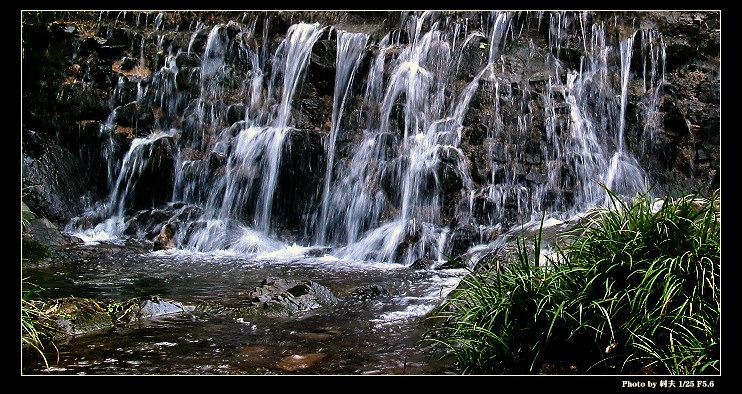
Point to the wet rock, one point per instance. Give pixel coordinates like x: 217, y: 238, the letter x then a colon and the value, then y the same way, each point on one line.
x: 112, y: 51
x: 42, y: 230
x: 127, y: 86
x: 54, y: 179
x: 161, y: 225
x: 484, y: 208
x: 99, y: 73
x: 128, y: 63
x: 413, y: 233
x: 74, y: 316
x: 166, y: 239
x: 297, y: 362
x: 189, y: 79
x: 366, y: 292
x: 313, y: 110
x: 147, y: 222
x: 473, y: 57
x: 33, y: 252
x: 452, y: 176
x: 236, y: 113
x: 324, y: 53
x: 452, y: 264
x: 187, y: 59
x: 321, y: 69
x: 199, y: 41
x: 61, y: 30
x: 461, y: 239
x: 283, y: 297
x: 302, y: 169
x: 475, y: 133
x: 315, y: 336
x: 90, y: 44
x: 154, y: 186
x: 422, y: 263
x: 71, y: 317
x: 116, y: 35
x: 317, y: 251
x: 137, y: 116
x: 140, y: 309
x: 537, y: 175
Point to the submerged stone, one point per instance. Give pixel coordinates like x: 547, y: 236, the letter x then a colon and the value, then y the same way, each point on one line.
x: 296, y: 362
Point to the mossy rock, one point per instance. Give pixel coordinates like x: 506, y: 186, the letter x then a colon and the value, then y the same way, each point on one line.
x: 33, y: 252
x: 74, y: 316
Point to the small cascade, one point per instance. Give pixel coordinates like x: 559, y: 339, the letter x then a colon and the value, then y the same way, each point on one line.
x: 253, y: 150
x: 414, y: 144
x: 350, y: 50
x: 653, y: 79
x: 375, y: 157
x: 624, y: 174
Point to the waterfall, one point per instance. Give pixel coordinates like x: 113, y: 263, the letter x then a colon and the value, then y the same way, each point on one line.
x: 254, y: 153
x: 439, y: 135
x: 295, y: 51
x: 653, y: 79
x: 412, y: 108
x: 622, y: 166
x: 350, y: 49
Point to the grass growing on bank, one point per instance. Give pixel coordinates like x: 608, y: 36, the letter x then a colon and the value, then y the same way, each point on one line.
x: 36, y: 323
x: 637, y: 289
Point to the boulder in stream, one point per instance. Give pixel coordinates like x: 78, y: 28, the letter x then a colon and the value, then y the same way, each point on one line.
x: 139, y: 309
x: 276, y: 297
x: 73, y: 316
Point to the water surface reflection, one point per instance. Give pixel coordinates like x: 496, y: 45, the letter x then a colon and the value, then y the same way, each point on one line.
x: 377, y: 335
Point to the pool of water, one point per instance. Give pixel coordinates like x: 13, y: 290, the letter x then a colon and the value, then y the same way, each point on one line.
x: 378, y: 335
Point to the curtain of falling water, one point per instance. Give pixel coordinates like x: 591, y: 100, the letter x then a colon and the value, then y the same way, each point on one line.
x: 390, y: 190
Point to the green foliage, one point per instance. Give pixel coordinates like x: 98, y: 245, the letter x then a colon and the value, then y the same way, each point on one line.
x: 636, y: 289
x: 40, y: 17
x: 36, y: 324
x: 26, y: 214
x: 33, y: 252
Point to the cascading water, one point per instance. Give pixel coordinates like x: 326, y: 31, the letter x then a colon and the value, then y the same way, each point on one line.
x: 415, y: 91
x: 415, y: 156
x: 254, y: 153
x: 653, y: 79
x: 623, y: 167
x: 361, y: 152
x: 350, y: 49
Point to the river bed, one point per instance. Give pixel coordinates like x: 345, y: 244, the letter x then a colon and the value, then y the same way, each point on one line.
x: 378, y: 335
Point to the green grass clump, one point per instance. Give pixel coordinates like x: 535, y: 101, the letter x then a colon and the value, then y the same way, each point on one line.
x: 636, y: 289
x: 36, y: 321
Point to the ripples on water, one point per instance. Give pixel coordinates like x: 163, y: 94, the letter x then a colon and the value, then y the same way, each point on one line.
x: 372, y: 336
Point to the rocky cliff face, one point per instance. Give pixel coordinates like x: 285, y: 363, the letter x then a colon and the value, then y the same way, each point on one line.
x: 415, y: 130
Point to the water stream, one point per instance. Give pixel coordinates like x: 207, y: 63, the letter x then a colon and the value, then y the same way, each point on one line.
x: 379, y: 198
x: 373, y: 336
